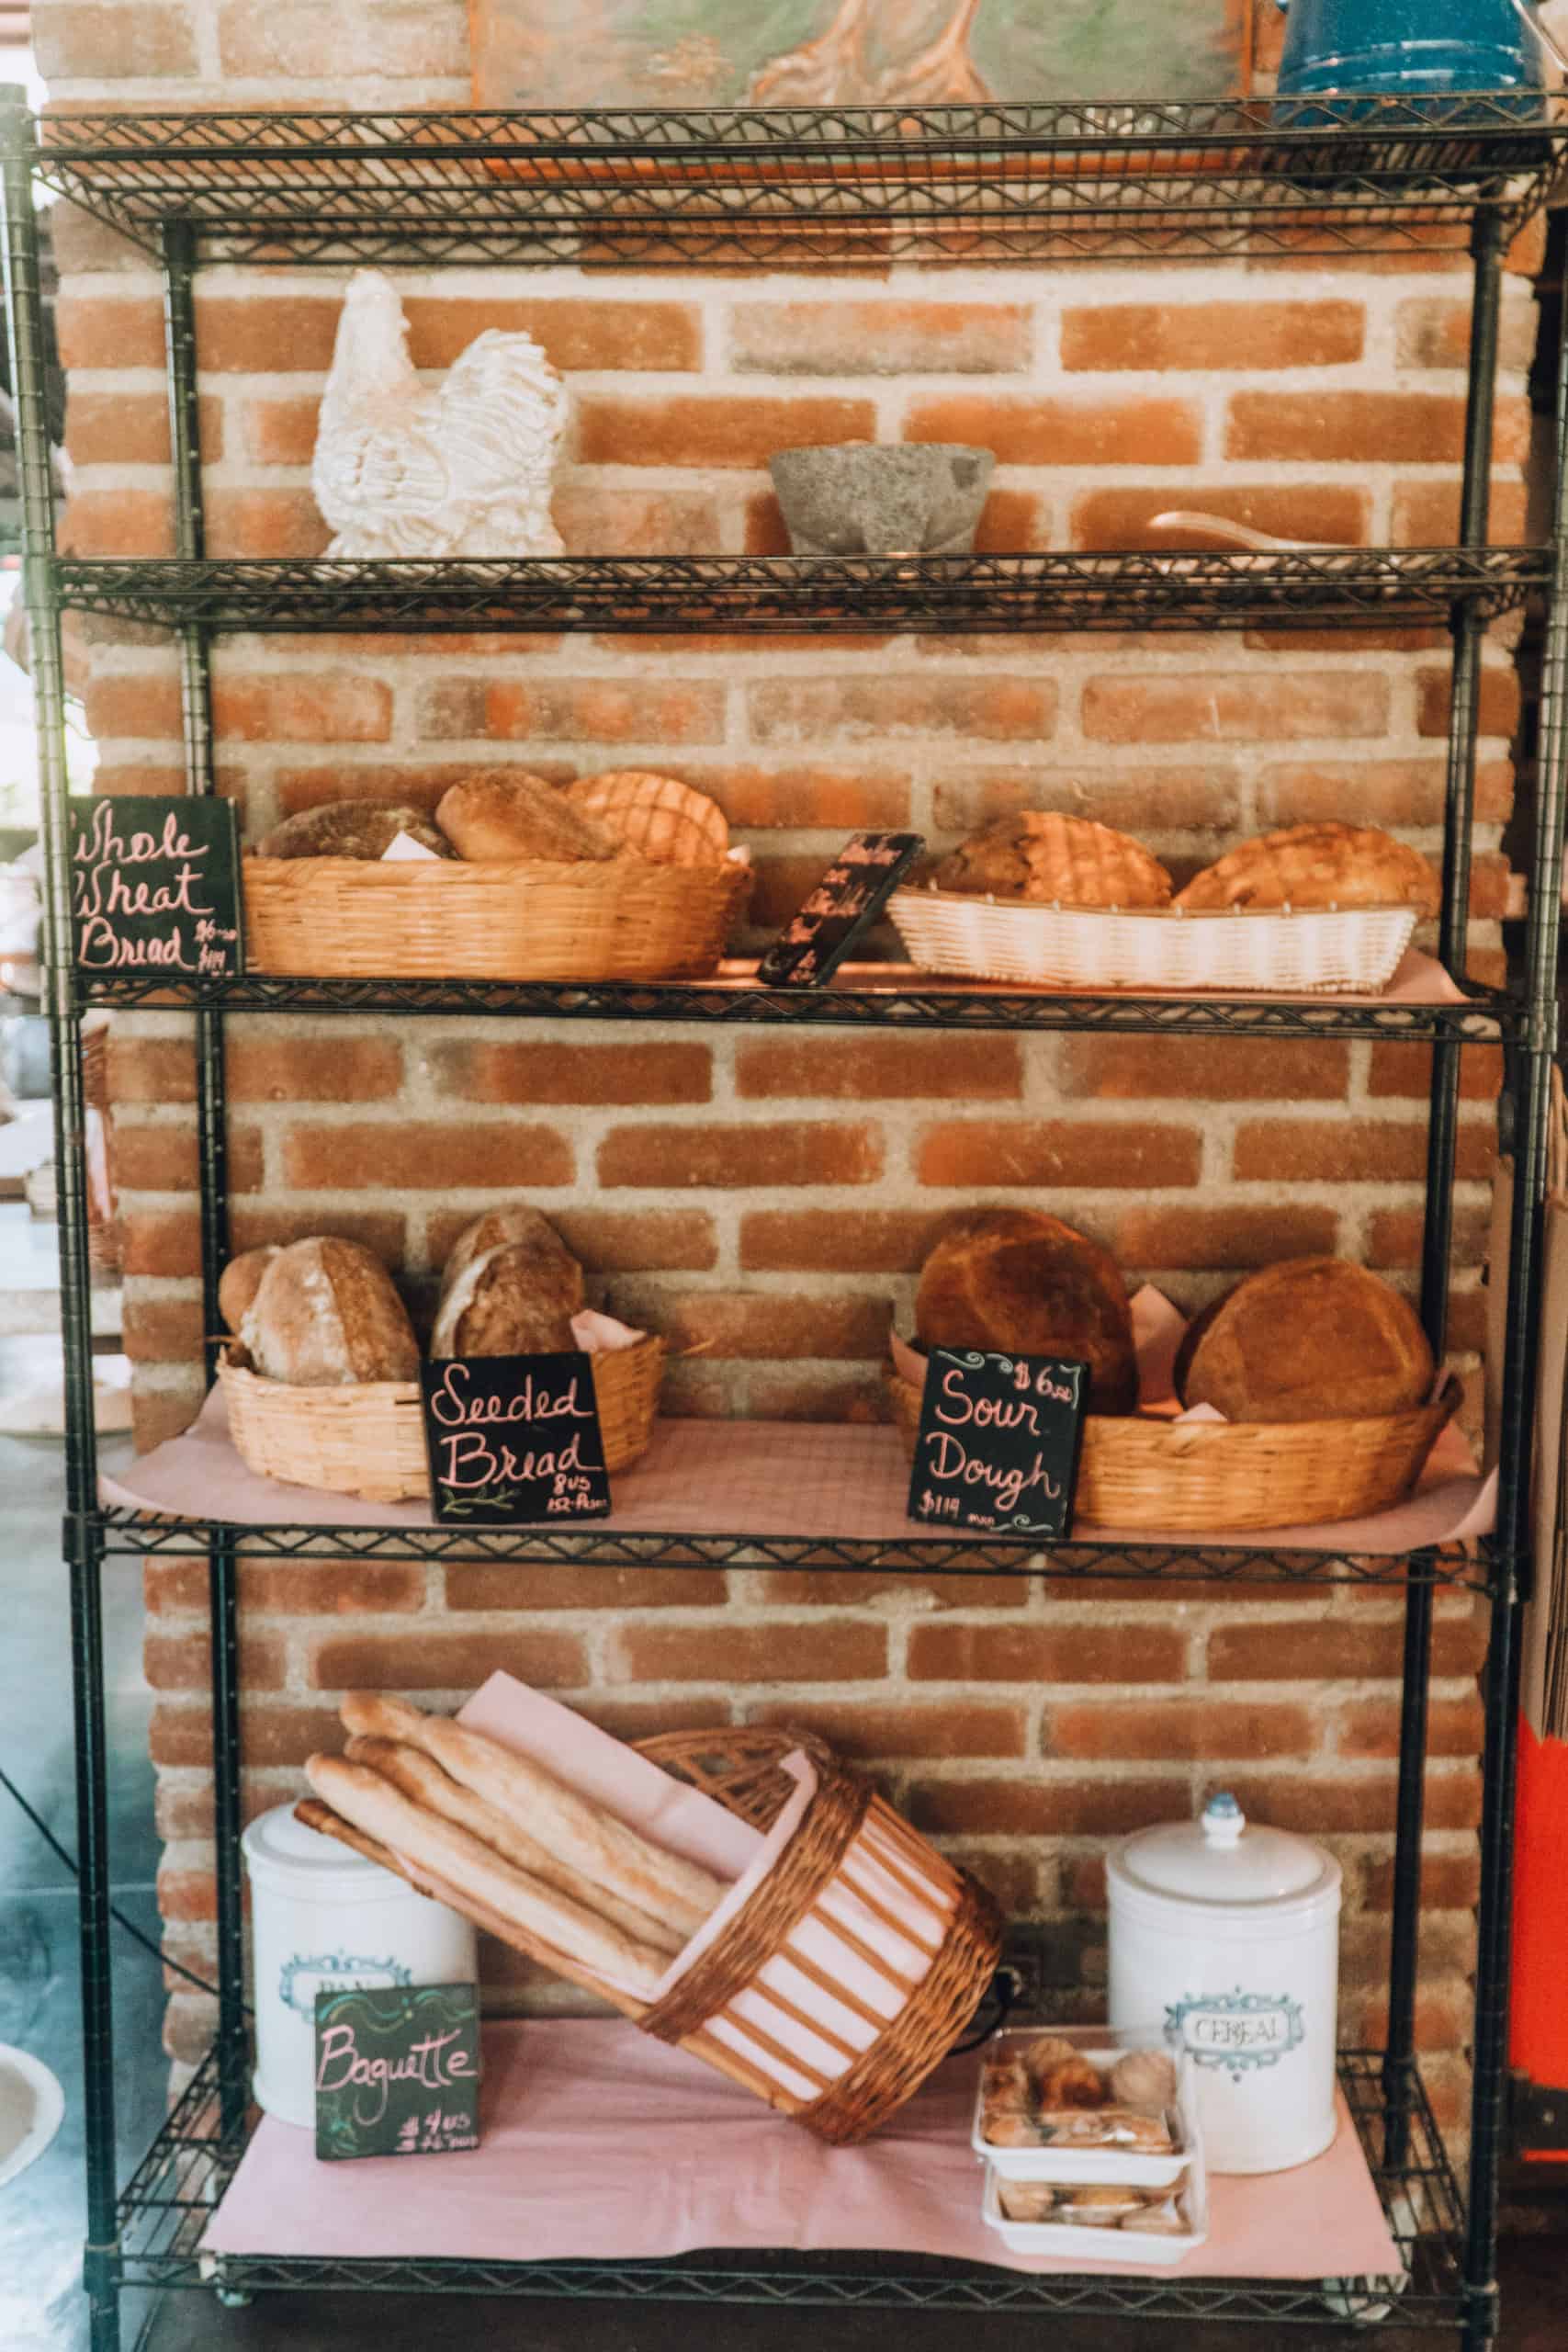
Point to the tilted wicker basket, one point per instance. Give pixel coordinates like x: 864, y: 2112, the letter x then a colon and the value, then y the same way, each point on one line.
x: 369, y: 1440
x: 624, y: 919
x: 1297, y: 952
x: 791, y: 1928
x: 1206, y: 1477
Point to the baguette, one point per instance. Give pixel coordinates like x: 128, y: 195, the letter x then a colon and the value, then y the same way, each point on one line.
x: 372, y: 1804
x: 603, y: 1850
x: 424, y: 1783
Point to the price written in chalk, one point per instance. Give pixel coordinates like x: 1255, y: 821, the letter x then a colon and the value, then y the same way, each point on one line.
x: 514, y: 1439
x: 999, y: 1441
x: 397, y: 2070
x: 845, y: 903
x: 154, y: 886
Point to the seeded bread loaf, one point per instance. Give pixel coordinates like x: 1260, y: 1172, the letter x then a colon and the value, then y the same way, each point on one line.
x: 510, y: 1288
x: 1018, y: 1279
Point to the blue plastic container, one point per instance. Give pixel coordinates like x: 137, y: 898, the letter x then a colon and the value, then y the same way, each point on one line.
x: 1413, y: 50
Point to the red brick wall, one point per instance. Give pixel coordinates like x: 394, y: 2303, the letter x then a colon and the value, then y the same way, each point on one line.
x: 767, y: 1200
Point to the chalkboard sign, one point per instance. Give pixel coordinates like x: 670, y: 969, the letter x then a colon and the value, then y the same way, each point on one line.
x: 513, y: 1439
x: 155, y: 886
x: 397, y: 2070
x: 999, y: 1441
x: 846, y: 900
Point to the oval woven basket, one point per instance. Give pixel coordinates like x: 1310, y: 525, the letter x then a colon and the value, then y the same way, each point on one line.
x: 369, y: 1440
x: 1305, y: 951
x: 626, y: 919
x: 784, y: 1960
x: 1201, y: 1478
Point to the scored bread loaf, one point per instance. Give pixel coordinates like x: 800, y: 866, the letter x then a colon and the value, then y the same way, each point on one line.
x: 325, y: 1316
x: 240, y: 1281
x: 491, y: 819
x: 665, y: 821
x: 1328, y: 864
x: 1020, y: 1281
x: 1310, y: 1340
x: 1049, y: 859
x: 362, y: 828
x: 510, y: 1288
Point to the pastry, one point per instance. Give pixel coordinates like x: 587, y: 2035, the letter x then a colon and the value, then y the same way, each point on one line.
x: 1027, y: 2201
x: 514, y: 1294
x: 1053, y: 860
x: 1163, y: 2221
x: 1101, y: 2206
x: 1020, y: 1281
x: 490, y: 818
x: 325, y: 1316
x: 664, y: 821
x: 1311, y: 1340
x: 240, y: 1281
x: 362, y: 828
x: 1144, y: 2078
x: 1329, y: 865
x: 1072, y: 2083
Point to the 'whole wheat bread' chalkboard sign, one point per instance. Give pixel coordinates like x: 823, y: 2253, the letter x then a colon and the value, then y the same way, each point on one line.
x: 154, y: 886
x: 397, y: 2070
x: 846, y: 900
x: 513, y: 1439
x: 999, y: 1441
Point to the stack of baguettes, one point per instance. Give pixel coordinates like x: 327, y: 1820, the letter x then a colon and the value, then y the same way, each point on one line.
x: 445, y: 1808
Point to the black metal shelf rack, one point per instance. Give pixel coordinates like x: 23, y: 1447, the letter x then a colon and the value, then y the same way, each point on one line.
x: 793, y: 188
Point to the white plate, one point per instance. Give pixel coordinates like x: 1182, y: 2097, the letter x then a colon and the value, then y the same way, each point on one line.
x: 1079, y: 2245
x: 31, y: 2107
x: 1102, y: 2046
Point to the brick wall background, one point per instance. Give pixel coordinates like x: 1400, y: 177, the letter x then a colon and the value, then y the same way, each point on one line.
x: 768, y: 1199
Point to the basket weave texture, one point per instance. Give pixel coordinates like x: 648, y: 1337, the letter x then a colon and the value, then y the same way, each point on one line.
x: 1308, y: 951
x: 1198, y: 1477
x: 849, y: 1841
x: 369, y: 1440
x: 624, y: 919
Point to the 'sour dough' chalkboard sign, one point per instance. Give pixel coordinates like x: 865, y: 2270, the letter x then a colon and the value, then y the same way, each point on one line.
x: 397, y: 2070
x: 513, y: 1439
x: 999, y: 1441
x: 846, y: 900
x: 155, y: 885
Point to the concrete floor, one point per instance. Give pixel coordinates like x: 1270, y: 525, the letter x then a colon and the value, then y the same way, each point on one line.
x: 41, y: 2216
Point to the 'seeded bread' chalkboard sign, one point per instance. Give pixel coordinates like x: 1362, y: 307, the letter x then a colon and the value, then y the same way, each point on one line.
x: 846, y: 900
x: 155, y: 886
x: 513, y: 1439
x: 397, y: 2070
x: 999, y: 1441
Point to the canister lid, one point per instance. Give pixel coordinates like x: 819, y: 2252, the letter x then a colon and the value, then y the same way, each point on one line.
x: 1222, y: 1858
x: 280, y: 1847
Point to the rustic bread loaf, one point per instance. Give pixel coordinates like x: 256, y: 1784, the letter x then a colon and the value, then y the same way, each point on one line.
x: 510, y: 1288
x: 1311, y: 1340
x: 665, y: 821
x: 363, y: 829
x: 240, y: 1281
x: 1330, y: 865
x: 1048, y: 860
x: 1017, y: 1279
x: 325, y: 1316
x: 491, y: 819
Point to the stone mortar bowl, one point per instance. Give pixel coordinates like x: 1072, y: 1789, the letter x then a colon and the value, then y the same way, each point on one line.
x: 855, y: 498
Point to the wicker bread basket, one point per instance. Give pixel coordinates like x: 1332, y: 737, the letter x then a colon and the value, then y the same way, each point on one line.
x: 791, y: 1927
x: 369, y: 1440
x: 626, y: 919
x: 1201, y: 1478
x: 1305, y: 951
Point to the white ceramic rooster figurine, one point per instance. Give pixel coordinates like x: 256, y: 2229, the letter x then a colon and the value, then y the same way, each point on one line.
x: 463, y: 468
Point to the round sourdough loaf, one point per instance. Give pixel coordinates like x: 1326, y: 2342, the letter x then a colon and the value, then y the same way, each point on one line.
x: 325, y: 1316
x: 1311, y: 1340
x: 511, y: 1287
x: 493, y: 818
x: 362, y: 828
x: 1022, y: 1282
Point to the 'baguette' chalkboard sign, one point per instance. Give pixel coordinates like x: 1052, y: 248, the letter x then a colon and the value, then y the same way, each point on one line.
x: 513, y: 1439
x: 397, y: 2070
x: 999, y: 1441
x: 846, y: 900
x: 155, y: 886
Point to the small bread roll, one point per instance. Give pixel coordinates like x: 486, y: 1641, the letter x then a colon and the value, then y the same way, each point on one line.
x: 325, y: 1316
x: 240, y: 1281
x: 362, y: 828
x: 1025, y: 1282
x: 493, y: 818
x: 1310, y: 1340
x: 511, y: 1289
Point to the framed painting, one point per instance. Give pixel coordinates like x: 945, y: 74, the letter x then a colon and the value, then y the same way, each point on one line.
x: 585, y: 53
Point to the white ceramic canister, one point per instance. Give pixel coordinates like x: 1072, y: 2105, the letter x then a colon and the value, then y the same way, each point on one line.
x: 321, y: 1917
x: 1230, y: 1933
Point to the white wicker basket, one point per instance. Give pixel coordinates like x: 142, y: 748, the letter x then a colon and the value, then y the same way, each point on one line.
x: 1327, y: 950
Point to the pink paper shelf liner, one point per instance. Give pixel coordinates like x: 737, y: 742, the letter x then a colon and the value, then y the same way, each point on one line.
x: 799, y: 1480
x: 599, y: 2143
